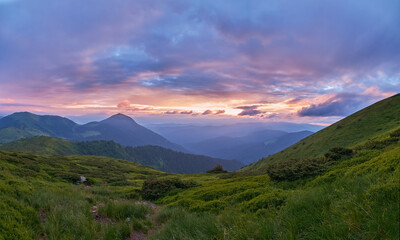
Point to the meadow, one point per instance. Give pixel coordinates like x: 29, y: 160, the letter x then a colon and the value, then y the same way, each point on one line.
x: 343, y: 194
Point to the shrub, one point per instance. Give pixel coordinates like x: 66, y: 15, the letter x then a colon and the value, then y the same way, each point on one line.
x: 338, y: 153
x: 395, y: 134
x: 217, y: 169
x: 154, y: 188
x: 378, y: 144
x: 295, y: 169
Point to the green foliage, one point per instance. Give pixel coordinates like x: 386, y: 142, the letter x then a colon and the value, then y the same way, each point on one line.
x: 297, y: 169
x: 338, y: 153
x: 47, y: 203
x: 353, y: 196
x: 154, y: 188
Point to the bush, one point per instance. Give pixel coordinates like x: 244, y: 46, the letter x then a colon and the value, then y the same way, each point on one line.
x: 338, y: 153
x: 295, y: 169
x: 395, y: 134
x: 154, y: 188
x: 217, y: 169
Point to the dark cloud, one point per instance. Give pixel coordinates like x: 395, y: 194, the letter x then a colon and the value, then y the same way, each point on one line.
x: 207, y: 112
x: 339, y: 105
x: 219, y: 112
x: 171, y: 112
x: 186, y: 112
x: 249, y: 110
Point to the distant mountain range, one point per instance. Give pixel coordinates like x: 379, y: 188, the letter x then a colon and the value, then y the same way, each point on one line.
x: 249, y: 148
x: 191, y: 133
x: 119, y: 128
x: 153, y: 156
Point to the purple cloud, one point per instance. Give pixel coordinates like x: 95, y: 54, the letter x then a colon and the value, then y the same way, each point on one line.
x: 339, y: 105
x: 249, y: 111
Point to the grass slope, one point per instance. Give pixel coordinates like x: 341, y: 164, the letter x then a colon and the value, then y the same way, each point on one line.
x: 152, y: 156
x: 356, y: 197
x: 39, y: 198
x: 357, y: 128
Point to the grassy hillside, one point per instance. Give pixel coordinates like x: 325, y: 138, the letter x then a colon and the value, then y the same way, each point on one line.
x: 357, y: 128
x: 152, y: 156
x: 355, y: 196
x: 349, y: 194
x: 39, y: 197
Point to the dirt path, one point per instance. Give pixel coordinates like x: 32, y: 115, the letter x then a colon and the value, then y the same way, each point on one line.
x: 136, y: 235
x: 152, y: 217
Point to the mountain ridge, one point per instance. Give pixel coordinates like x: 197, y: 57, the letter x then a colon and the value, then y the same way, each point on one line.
x: 152, y: 156
x: 119, y: 127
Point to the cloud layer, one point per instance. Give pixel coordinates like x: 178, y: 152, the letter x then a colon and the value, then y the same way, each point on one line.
x: 263, y: 59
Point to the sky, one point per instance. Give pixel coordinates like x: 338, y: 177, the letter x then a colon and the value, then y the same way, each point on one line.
x: 306, y: 61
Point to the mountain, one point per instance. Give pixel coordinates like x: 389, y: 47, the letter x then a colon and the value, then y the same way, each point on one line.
x: 119, y: 128
x: 123, y: 130
x: 153, y: 156
x: 190, y: 133
x: 25, y: 124
x: 249, y: 148
x: 356, y: 129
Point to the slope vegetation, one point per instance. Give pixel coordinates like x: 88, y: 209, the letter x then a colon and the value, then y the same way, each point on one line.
x: 40, y: 197
x: 346, y: 194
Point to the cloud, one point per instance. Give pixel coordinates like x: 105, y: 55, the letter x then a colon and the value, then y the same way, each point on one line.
x: 207, y: 112
x: 249, y: 110
x: 339, y: 105
x: 219, y: 112
x: 124, y: 104
x: 186, y: 112
x: 171, y: 112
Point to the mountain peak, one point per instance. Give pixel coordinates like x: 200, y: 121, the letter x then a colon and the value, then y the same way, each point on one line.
x: 120, y: 118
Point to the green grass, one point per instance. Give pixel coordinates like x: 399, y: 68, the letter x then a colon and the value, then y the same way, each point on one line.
x: 39, y: 197
x: 353, y: 198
